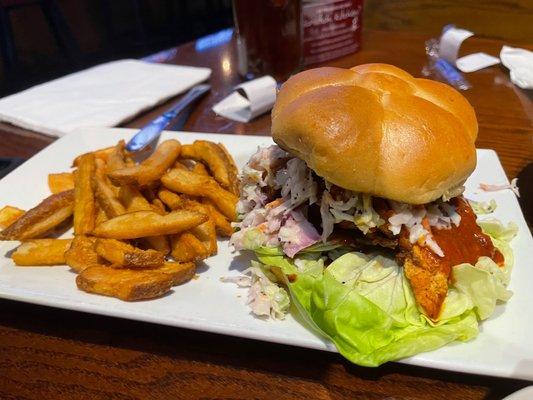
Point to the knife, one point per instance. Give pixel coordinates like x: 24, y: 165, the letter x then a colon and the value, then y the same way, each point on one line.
x: 151, y: 131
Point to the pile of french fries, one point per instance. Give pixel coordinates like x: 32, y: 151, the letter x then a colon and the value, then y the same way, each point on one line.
x: 139, y: 228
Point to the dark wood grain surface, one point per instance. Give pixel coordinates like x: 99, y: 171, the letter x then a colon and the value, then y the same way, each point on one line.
x: 499, y: 19
x: 58, y: 354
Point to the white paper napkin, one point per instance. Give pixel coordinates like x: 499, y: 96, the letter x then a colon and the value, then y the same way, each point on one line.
x: 449, y: 45
x: 520, y: 64
x: 102, y: 96
x: 476, y: 61
x: 248, y: 100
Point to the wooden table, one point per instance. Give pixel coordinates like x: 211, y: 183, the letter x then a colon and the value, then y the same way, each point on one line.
x: 57, y: 354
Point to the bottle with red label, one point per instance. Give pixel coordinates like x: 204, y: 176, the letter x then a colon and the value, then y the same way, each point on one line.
x: 331, y: 29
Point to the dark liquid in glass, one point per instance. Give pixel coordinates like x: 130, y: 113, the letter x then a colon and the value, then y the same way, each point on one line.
x: 268, y: 37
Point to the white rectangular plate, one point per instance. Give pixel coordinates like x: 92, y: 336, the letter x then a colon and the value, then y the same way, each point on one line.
x: 503, y: 348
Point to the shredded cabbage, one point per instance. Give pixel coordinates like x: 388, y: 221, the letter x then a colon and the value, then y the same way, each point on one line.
x: 265, y: 297
x: 272, y: 220
x: 440, y: 215
x: 357, y: 208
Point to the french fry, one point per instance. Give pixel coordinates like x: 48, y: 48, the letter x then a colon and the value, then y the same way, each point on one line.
x: 205, y: 232
x: 125, y: 284
x: 187, y: 248
x: 113, y: 200
x: 216, y: 159
x: 84, y: 205
x: 159, y: 206
x: 150, y: 193
x: 115, y: 160
x: 128, y: 159
x: 105, y: 196
x: 60, y: 182
x: 180, y: 272
x: 181, y: 164
x: 101, y: 172
x: 101, y: 154
x: 171, y: 199
x: 150, y: 169
x: 51, y: 212
x: 223, y: 226
x: 149, y: 223
x: 132, y: 199
x: 81, y: 253
x: 187, y: 182
x: 8, y: 215
x: 159, y: 243
x: 100, y: 216
x: 188, y: 152
x: 231, y: 162
x: 200, y: 168
x: 41, y: 252
x: 121, y: 254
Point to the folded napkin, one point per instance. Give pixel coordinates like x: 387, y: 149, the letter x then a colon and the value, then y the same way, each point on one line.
x: 248, y: 100
x: 520, y: 63
x: 449, y: 44
x: 102, y: 96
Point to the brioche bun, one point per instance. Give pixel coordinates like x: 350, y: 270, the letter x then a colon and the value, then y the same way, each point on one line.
x: 375, y: 129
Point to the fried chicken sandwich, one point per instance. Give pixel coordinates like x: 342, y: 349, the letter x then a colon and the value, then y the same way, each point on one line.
x: 358, y: 211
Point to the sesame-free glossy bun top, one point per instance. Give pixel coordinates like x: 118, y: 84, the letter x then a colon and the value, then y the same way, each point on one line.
x: 375, y: 129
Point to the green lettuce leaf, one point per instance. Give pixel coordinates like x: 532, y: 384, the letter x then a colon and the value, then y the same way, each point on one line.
x: 483, y: 207
x: 365, y: 305
x: 253, y: 239
x: 482, y: 285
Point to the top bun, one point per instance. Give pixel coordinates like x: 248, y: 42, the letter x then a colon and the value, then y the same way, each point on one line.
x: 375, y: 129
